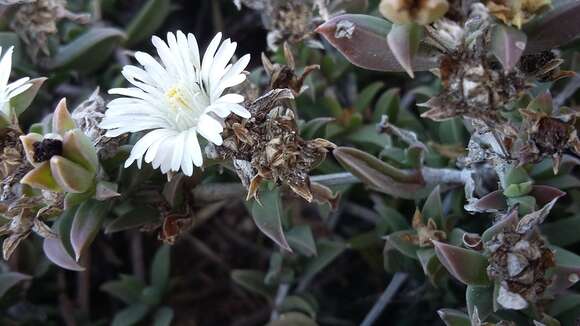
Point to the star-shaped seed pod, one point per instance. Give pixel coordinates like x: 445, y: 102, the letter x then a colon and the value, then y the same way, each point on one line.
x: 547, y: 131
x: 64, y: 160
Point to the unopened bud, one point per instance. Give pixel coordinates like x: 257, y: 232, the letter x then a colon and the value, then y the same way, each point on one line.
x: 422, y: 12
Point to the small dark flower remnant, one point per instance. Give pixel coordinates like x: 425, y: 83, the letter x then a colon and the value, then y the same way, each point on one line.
x: 46, y: 148
x: 547, y: 132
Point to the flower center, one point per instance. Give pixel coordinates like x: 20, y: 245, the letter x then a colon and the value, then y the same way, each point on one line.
x: 177, y: 97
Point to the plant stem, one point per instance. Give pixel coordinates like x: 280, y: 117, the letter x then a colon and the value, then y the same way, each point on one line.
x: 394, y: 286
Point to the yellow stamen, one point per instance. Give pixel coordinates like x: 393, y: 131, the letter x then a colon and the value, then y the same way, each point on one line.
x: 176, y: 97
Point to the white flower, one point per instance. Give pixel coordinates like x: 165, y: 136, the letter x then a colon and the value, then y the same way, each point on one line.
x: 8, y: 91
x: 177, y: 99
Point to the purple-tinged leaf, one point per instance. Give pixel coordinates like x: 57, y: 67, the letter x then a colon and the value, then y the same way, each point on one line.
x: 86, y: 224
x: 268, y: 217
x: 404, y: 42
x: 468, y: 266
x: 452, y: 317
x: 492, y: 202
x: 362, y: 40
x: 380, y: 175
x: 564, y: 277
x: 509, y: 220
x: 10, y: 279
x: 508, y: 45
x: 545, y: 194
x: 557, y: 27
x: 56, y: 253
x: 106, y: 190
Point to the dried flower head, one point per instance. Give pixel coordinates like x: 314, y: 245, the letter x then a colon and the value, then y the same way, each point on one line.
x: 519, y: 260
x: 422, y: 12
x: 13, y: 163
x: 87, y: 116
x: 35, y: 21
x: 25, y: 216
x: 516, y: 12
x: 547, y: 131
x: 268, y: 145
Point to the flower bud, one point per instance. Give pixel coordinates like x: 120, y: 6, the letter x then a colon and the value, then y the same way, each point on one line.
x: 422, y: 12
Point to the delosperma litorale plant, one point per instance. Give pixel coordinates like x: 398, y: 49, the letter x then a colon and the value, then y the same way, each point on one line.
x: 433, y: 142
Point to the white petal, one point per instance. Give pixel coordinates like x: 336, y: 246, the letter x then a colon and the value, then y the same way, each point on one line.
x: 195, y: 150
x: 210, y: 129
x: 178, y: 150
x: 138, y: 151
x: 5, y: 67
x: 208, y: 57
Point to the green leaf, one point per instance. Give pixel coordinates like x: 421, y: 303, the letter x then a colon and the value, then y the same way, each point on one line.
x: 88, y: 51
x: 388, y: 104
x: 380, y: 175
x: 128, y: 289
x: 10, y: 279
x: 163, y: 316
x: 565, y: 257
x: 293, y: 319
x: 301, y: 239
x: 60, y: 250
x: 268, y: 217
x: 468, y: 266
x: 433, y: 207
x: 135, y: 218
x: 362, y: 40
x: 86, y: 225
x: 401, y: 240
x: 453, y: 317
x: 22, y: 101
x: 253, y: 281
x: 296, y: 303
x: 367, y: 95
x: 563, y: 232
x: 404, y: 41
x: 558, y: 26
x: 160, y: 268
x: 327, y: 252
x: 8, y: 39
x: 480, y: 297
x: 130, y: 315
x: 147, y: 21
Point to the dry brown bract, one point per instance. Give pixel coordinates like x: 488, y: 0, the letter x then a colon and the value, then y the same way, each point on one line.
x: 13, y: 164
x: 425, y: 232
x: 284, y: 76
x: 547, y: 132
x: 25, y: 217
x: 516, y: 12
x: 519, y: 261
x: 35, y: 21
x: 268, y: 146
x: 474, y: 85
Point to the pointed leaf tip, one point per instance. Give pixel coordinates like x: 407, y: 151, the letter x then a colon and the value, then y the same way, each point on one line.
x: 468, y: 266
x: 403, y: 41
x: 508, y: 45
